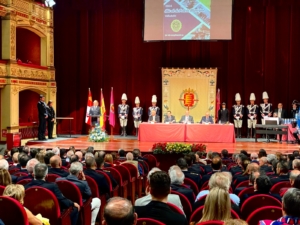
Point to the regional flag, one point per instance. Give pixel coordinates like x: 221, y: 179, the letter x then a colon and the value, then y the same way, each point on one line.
x: 89, y: 105
x: 218, y: 100
x: 103, y: 111
x: 112, y: 120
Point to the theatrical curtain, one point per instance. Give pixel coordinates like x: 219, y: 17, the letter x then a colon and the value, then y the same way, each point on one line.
x: 99, y: 44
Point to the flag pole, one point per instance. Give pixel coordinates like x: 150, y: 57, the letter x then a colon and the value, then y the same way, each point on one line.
x: 111, y: 127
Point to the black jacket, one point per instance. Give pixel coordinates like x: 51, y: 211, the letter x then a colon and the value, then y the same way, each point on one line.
x: 100, y: 180
x: 58, y: 171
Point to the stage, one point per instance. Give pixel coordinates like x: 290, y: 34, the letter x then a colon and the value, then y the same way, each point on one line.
x: 130, y: 142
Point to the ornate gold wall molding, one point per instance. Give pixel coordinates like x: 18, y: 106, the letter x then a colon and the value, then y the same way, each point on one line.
x: 29, y: 72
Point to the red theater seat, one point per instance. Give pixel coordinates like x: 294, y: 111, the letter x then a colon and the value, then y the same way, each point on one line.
x: 264, y: 213
x: 148, y: 221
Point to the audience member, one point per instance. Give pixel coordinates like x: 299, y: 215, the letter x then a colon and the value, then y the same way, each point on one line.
x: 137, y: 156
x: 119, y: 211
x: 100, y: 166
x: 158, y: 209
x: 263, y: 163
x: 5, y: 178
x: 74, y: 158
x: 254, y: 157
x: 282, y: 171
x: 40, y: 172
x: 109, y: 162
x: 56, y: 151
x: 11, y: 153
x: 129, y: 159
x: 296, y: 164
x: 201, y: 155
x: 17, y: 192
x: 251, y: 167
x: 235, y: 222
x: 55, y: 163
x: 244, y: 152
x: 40, y: 156
x: 15, y: 160
x: 70, y: 153
x: 183, y: 165
x: 23, y: 159
x: 80, y: 155
x: 63, y: 156
x: 262, y: 153
x: 122, y: 154
x: 5, y: 166
x: 174, y: 199
x: 29, y: 167
x: 77, y: 177
x: 290, y: 160
x: 216, y: 165
x: 294, y: 181
x: 33, y: 152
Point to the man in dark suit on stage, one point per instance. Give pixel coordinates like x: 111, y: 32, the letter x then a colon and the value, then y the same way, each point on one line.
x: 187, y: 119
x: 95, y: 113
x: 281, y: 113
x: 43, y: 115
x: 169, y: 118
x: 153, y: 118
x: 207, y: 119
x: 50, y: 119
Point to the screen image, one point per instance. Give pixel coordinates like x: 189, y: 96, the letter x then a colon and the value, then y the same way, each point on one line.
x: 187, y: 20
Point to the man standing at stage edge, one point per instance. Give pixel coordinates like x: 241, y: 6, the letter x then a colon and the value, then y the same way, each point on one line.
x: 43, y: 115
x: 123, y: 110
x: 154, y: 107
x: 265, y: 108
x: 137, y: 114
x: 238, y: 112
x: 252, y: 112
x: 223, y: 114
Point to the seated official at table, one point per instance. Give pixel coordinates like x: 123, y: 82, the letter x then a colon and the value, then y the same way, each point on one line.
x: 207, y: 119
x: 169, y: 118
x: 187, y: 118
x: 153, y: 117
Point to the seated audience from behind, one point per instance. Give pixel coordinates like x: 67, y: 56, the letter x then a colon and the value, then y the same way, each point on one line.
x: 225, y: 155
x: 244, y: 152
x: 221, y: 180
x: 138, y: 157
x: 217, y: 205
x: 5, y: 178
x: 296, y: 164
x: 100, y: 167
x: 23, y: 159
x: 119, y: 211
x: 216, y: 165
x: 174, y: 199
x: 40, y: 172
x: 177, y: 181
x: 254, y: 157
x: 47, y: 157
x: 56, y: 163
x: 209, y: 156
x: 296, y: 154
x: 158, y: 209
x: 63, y: 156
x: 17, y: 192
x: 238, y: 168
x: 74, y: 158
x: 248, y: 169
x: 191, y: 161
x: 263, y: 163
x: 201, y: 155
x: 40, y: 156
x: 5, y: 166
x: 56, y: 151
x: 15, y: 160
x: 90, y: 149
x: 235, y: 222
x: 253, y: 175
x: 290, y: 159
x: 294, y: 175
x: 29, y: 167
x: 122, y: 154
x: 290, y: 209
x: 129, y: 159
x: 70, y: 153
x: 90, y: 171
x: 33, y: 152
x: 262, y: 153
x: 77, y: 177
x: 282, y: 172
x: 11, y: 153
x: 272, y: 161
x: 80, y: 155
x: 108, y: 160
x: 189, y: 173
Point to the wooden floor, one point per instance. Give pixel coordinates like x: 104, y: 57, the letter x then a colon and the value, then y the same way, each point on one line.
x: 128, y: 144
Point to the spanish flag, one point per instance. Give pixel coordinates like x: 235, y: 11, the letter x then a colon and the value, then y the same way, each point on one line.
x: 103, y: 111
x: 89, y: 105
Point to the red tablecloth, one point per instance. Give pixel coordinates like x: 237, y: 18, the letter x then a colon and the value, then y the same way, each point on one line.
x: 160, y: 132
x: 289, y: 135
x: 210, y: 133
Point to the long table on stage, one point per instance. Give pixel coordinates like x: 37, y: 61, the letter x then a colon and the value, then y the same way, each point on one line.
x: 175, y: 132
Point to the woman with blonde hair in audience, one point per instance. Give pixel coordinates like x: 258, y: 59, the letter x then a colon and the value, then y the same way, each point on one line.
x: 235, y: 222
x: 217, y: 205
x: 108, y: 160
x: 5, y: 178
x: 40, y: 156
x: 17, y: 192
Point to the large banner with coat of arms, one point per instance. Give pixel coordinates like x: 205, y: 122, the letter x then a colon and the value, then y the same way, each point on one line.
x: 193, y: 89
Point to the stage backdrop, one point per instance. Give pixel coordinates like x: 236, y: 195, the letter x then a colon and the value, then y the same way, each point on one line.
x: 193, y: 89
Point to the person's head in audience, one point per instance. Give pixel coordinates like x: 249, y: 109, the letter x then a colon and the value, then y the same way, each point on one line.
x: 295, y: 178
x: 190, y: 159
x: 119, y: 211
x: 244, y: 164
x: 100, y: 162
x: 40, y: 171
x: 159, y: 186
x: 76, y: 169
x: 253, y: 176
x: 271, y: 158
x: 63, y: 153
x: 90, y: 149
x: 263, y: 184
x: 129, y: 156
x: 263, y: 161
x: 31, y: 164
x: 154, y: 169
x: 219, y: 179
x: 40, y: 156
x: 55, y: 161
x: 228, y: 175
x: 235, y: 222
x: 217, y: 205
x: 48, y: 156
x: 196, y: 158
x: 88, y: 154
x: 80, y: 155
x: 291, y: 203
x: 109, y: 159
x: 262, y: 153
x: 296, y: 164
x: 102, y: 153
x: 90, y: 163
x: 290, y: 159
x: 200, y: 154
x: 70, y: 153
x: 114, y: 156
x: 74, y: 158
x: 56, y: 151
x: 254, y: 156
x: 216, y: 163
x: 15, y: 191
x: 296, y: 153
x: 176, y: 175
x: 13, y: 151
x: 215, y: 154
x: 5, y: 178
x: 23, y: 159
x: 244, y: 152
x: 209, y: 155
x: 252, y: 167
x: 33, y: 152
x: 278, y: 155
x: 122, y: 153
x: 4, y: 164
x: 282, y: 168
x: 182, y: 164
x: 72, y: 148
x: 136, y: 153
x: 224, y: 153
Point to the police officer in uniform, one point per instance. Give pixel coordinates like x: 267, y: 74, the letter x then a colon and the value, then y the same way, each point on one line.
x: 95, y: 113
x: 43, y: 115
x: 50, y: 119
x: 238, y: 113
x: 223, y: 114
x: 265, y: 108
x: 154, y: 107
x: 137, y: 114
x: 252, y: 112
x: 123, y: 110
